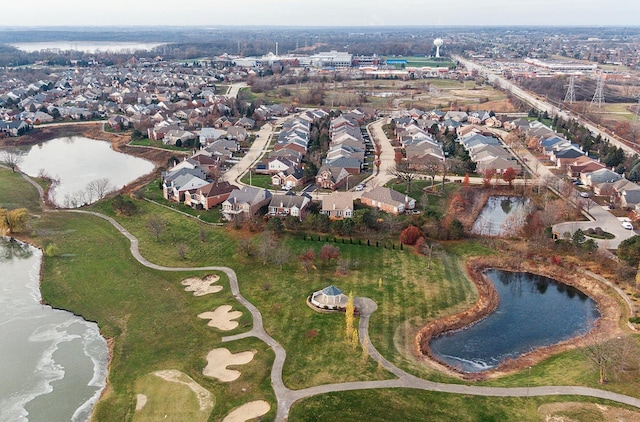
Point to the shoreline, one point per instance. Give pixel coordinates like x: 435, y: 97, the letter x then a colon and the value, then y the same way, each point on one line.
x: 93, y: 130
x: 606, y: 327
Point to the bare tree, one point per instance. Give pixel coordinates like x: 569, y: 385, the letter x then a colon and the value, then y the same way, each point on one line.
x: 401, y: 171
x: 612, y: 357
x: 12, y: 158
x: 182, y: 250
x: 98, y: 187
x: 431, y: 166
x: 156, y: 226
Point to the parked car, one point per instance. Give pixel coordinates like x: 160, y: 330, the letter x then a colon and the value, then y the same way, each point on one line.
x: 360, y: 187
x: 585, y: 194
x: 627, y: 225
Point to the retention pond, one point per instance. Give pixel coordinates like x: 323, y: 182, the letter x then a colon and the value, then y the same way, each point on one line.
x: 534, y: 311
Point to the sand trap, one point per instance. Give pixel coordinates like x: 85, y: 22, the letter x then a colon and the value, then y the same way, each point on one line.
x: 172, y: 375
x: 222, y: 318
x: 219, y: 359
x: 248, y: 411
x: 141, y: 400
x: 202, y: 286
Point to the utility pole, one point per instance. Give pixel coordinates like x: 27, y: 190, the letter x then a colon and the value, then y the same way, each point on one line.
x: 570, y: 97
x: 598, y: 96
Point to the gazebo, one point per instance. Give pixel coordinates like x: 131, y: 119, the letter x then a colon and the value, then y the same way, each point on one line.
x: 329, y: 298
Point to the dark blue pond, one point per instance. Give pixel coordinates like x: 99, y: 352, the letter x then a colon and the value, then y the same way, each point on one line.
x: 534, y: 311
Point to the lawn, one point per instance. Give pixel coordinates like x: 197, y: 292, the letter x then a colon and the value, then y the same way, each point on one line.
x: 153, y: 321
x: 16, y: 192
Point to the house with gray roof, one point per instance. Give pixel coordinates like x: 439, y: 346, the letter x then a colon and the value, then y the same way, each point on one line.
x: 388, y: 200
x: 246, y: 201
x: 288, y: 204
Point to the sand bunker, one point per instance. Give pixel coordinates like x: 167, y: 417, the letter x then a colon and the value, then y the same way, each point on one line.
x: 205, y: 399
x: 222, y: 318
x: 248, y: 411
x: 141, y: 400
x: 219, y: 359
x: 202, y: 286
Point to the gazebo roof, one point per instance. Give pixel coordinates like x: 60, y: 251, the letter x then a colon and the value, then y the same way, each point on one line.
x: 331, y: 291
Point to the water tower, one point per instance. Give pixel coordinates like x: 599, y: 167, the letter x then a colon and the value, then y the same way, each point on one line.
x: 438, y: 43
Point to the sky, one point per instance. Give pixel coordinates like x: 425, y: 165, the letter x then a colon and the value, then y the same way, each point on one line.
x: 322, y: 13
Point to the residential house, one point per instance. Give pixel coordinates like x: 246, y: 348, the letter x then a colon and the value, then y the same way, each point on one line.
x: 178, y: 137
x: 291, y: 178
x: 331, y: 177
x: 208, y: 196
x: 289, y: 204
x: 246, y: 123
x: 208, y: 135
x: 388, y: 200
x: 246, y: 202
x: 338, y: 205
x: 183, y: 185
x: 583, y: 164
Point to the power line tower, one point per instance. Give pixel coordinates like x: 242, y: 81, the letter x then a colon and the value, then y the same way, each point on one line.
x: 598, y: 97
x: 570, y: 96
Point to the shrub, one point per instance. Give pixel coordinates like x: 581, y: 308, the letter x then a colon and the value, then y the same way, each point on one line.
x: 410, y: 235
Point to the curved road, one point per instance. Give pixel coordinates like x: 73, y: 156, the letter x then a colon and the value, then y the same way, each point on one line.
x: 286, y: 397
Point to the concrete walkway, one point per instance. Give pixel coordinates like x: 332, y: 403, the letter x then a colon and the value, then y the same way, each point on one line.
x: 287, y: 397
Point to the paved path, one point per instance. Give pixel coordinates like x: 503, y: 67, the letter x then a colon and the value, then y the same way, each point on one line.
x: 257, y: 149
x: 287, y: 397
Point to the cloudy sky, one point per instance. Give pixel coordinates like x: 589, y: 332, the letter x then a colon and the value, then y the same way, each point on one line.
x: 322, y: 12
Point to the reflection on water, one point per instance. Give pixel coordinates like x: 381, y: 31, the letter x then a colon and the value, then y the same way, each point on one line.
x: 85, y: 169
x: 11, y: 248
x: 534, y: 311
x: 502, y: 216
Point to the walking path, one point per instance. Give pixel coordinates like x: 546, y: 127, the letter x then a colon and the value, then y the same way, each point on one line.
x: 287, y: 397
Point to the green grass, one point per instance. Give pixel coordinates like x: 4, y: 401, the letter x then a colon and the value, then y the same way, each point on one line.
x: 16, y: 192
x: 415, y: 405
x: 258, y: 180
x: 171, y: 399
x: 146, y: 142
x: 153, y: 191
x: 153, y: 322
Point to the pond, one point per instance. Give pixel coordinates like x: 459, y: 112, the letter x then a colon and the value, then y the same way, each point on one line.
x: 83, y: 167
x: 54, y: 364
x: 534, y: 311
x: 502, y: 216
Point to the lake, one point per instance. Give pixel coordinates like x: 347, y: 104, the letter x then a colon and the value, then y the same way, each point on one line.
x: 502, y: 216
x: 77, y: 162
x: 85, y: 46
x: 534, y: 311
x: 54, y: 364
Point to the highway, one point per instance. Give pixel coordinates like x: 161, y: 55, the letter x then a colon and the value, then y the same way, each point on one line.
x: 542, y: 105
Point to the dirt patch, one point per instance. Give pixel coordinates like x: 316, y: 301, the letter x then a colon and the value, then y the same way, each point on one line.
x: 574, y: 412
x: 222, y: 318
x: 141, y: 401
x: 248, y: 411
x: 219, y: 359
x: 202, y: 286
x: 605, y: 328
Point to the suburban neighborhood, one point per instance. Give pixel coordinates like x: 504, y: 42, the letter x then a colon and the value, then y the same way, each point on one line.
x: 378, y: 226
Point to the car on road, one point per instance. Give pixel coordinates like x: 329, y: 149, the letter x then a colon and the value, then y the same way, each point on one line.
x: 360, y: 187
x: 585, y: 194
x: 627, y: 225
